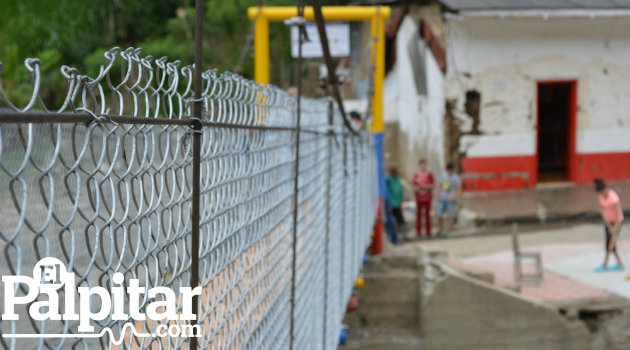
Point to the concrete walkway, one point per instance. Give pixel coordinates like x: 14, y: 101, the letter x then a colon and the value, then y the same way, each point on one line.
x: 545, y: 203
x: 580, y: 268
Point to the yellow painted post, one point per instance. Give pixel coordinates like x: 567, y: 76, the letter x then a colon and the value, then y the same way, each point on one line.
x: 261, y: 50
x: 378, y: 30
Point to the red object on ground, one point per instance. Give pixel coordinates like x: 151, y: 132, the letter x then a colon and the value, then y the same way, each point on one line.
x: 377, y: 241
x: 353, y: 304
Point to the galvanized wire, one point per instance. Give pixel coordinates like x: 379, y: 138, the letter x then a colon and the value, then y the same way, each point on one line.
x: 115, y: 195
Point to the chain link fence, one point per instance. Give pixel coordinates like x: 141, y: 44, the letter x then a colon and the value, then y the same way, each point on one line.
x: 104, y: 184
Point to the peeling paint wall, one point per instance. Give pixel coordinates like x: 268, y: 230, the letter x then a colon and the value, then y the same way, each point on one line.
x: 413, y: 120
x: 503, y: 59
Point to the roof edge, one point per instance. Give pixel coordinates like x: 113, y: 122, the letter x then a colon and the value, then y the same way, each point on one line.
x: 544, y: 13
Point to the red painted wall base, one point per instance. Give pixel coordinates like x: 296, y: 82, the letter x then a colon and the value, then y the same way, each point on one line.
x: 515, y: 172
x: 608, y: 166
x: 498, y: 173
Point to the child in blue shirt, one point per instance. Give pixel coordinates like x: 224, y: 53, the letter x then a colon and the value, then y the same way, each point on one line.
x: 450, y: 188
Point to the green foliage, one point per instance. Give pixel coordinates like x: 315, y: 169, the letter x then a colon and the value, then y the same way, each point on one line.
x: 143, y: 19
x: 78, y: 32
x: 37, y: 25
x: 15, y: 78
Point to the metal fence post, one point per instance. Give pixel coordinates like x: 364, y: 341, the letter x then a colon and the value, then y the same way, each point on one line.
x: 330, y: 135
x: 196, y: 172
x: 195, y: 217
x: 295, y: 226
x: 344, y: 212
x: 296, y: 182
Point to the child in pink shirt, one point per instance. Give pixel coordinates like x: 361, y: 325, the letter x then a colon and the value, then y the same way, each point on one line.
x: 613, y: 217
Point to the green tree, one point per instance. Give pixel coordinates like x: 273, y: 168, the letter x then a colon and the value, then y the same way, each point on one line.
x: 78, y: 32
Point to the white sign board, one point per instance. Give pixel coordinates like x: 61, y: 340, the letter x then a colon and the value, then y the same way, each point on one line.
x: 338, y: 34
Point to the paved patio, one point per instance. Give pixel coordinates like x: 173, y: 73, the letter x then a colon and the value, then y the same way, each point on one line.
x: 569, y: 257
x: 568, y: 272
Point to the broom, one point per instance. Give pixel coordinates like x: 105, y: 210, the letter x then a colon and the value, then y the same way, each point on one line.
x: 613, y: 239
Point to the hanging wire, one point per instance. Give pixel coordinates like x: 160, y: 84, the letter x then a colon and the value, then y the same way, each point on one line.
x: 373, y: 53
x: 299, y: 21
x: 238, y: 69
x: 332, y: 78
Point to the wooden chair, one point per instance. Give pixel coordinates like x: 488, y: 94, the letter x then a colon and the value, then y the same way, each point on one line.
x: 519, y: 276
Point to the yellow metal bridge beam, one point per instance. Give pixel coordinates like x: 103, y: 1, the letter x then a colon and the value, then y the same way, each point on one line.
x: 375, y: 14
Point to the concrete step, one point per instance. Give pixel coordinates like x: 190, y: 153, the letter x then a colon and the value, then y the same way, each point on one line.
x: 380, y: 339
x: 388, y: 300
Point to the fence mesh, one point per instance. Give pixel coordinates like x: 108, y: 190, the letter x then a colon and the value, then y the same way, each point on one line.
x: 104, y: 184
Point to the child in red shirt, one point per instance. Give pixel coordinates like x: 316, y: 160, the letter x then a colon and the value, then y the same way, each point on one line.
x: 423, y: 183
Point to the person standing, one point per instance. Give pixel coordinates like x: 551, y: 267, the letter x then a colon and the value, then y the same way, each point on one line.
x: 450, y: 189
x: 423, y: 182
x: 613, y: 217
x: 395, y: 195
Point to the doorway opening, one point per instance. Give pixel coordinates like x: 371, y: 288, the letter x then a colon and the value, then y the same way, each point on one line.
x: 556, y: 130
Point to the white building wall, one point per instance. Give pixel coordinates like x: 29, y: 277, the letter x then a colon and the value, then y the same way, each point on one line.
x: 419, y: 116
x: 503, y: 60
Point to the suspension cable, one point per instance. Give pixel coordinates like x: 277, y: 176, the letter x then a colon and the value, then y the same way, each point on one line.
x: 332, y: 79
x: 238, y: 69
x: 373, y: 54
x: 299, y: 21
